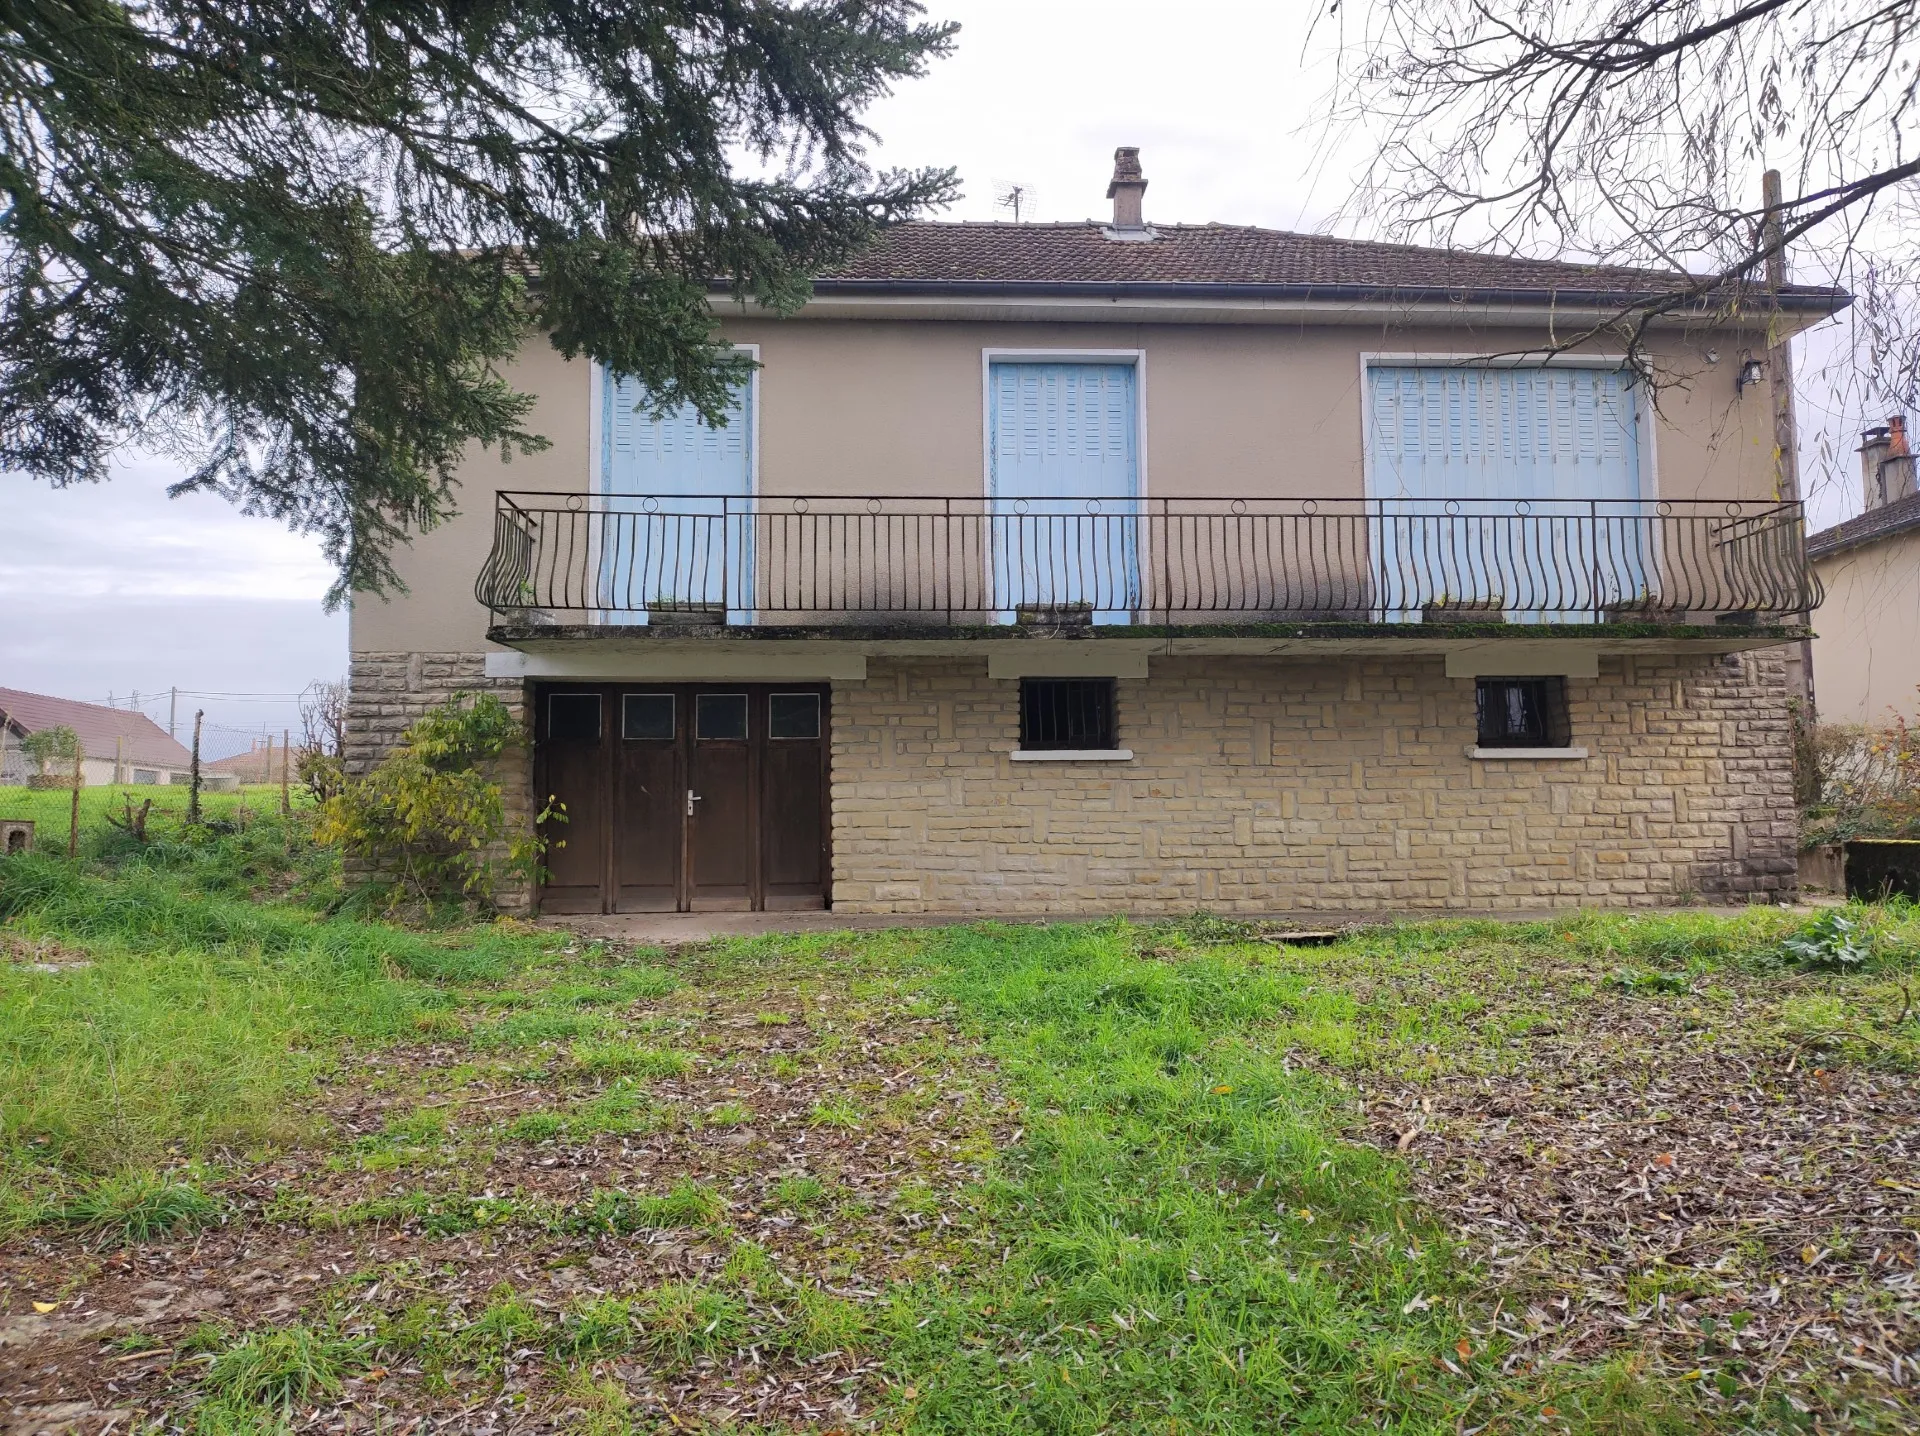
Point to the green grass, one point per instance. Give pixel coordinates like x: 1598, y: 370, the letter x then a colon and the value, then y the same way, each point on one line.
x: 48, y: 808
x: 1174, y: 1231
x: 197, y: 1017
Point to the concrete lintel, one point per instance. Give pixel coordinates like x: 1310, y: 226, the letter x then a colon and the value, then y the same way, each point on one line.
x: 1517, y: 658
x: 727, y: 665
x: 1107, y: 659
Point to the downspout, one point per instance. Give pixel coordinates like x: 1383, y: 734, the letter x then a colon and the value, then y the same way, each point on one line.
x: 1786, y: 432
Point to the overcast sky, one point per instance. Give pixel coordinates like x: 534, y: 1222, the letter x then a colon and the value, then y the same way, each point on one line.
x: 115, y: 588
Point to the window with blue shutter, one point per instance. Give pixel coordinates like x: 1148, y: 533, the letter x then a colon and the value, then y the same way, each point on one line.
x: 676, y: 494
x: 1063, y: 467
x: 1516, y: 488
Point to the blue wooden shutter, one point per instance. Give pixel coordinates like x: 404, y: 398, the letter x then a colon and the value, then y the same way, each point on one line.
x: 1517, y: 484
x: 1064, y: 470
x: 675, y: 494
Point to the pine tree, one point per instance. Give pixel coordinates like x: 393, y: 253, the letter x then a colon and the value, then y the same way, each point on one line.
x: 293, y: 241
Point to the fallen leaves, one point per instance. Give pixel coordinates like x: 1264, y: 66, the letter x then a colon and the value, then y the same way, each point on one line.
x: 1774, y: 1224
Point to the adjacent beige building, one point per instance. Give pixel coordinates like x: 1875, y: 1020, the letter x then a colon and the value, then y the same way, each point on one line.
x: 1866, y: 659
x: 1085, y: 568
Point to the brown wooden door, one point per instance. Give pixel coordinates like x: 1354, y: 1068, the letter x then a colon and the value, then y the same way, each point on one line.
x: 685, y: 798
x: 570, y: 734
x: 793, y: 799
x: 721, y: 811
x: 648, y: 797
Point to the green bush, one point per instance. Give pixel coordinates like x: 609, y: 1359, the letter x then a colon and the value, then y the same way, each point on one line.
x: 429, y: 820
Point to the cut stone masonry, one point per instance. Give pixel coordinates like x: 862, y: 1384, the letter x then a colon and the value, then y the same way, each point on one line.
x: 1264, y: 785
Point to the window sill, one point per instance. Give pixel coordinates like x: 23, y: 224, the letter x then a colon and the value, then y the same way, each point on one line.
x: 1535, y: 755
x: 1072, y: 755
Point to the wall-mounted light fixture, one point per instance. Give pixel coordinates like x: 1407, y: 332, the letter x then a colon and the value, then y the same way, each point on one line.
x: 1752, y: 371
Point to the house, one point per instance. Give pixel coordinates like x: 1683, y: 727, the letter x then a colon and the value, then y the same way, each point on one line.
x: 1866, y: 659
x: 265, y: 762
x: 119, y: 745
x: 1074, y: 568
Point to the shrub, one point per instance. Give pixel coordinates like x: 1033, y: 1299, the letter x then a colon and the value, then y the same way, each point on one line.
x: 59, y: 744
x: 429, y: 819
x: 1855, y: 781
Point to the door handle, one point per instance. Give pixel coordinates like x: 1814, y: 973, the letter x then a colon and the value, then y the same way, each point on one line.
x: 692, y: 798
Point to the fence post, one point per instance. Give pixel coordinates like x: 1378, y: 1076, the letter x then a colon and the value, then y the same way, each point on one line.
x: 193, y: 772
x: 73, y: 815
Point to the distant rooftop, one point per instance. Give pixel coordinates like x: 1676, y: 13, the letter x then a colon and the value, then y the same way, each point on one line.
x: 103, y: 732
x: 1899, y: 517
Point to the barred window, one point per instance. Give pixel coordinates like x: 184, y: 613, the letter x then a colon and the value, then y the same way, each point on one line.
x: 1066, y: 713
x: 1523, y: 713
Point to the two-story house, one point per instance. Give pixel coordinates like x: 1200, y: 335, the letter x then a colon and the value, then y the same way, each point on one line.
x: 1089, y: 567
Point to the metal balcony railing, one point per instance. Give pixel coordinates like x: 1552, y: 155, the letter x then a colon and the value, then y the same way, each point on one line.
x: 825, y: 559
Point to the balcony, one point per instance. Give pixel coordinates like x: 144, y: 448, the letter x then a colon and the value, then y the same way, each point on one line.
x: 838, y: 566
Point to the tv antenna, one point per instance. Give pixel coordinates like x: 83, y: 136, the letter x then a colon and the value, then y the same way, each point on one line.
x: 1015, y: 196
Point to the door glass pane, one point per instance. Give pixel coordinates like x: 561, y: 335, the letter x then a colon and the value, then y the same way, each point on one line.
x: 793, y: 715
x: 573, y: 717
x: 647, y: 716
x: 720, y: 715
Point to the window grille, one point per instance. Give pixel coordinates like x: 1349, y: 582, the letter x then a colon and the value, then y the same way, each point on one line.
x: 1523, y: 713
x: 1067, y: 713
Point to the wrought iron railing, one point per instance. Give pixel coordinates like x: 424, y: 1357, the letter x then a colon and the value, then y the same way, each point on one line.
x: 628, y: 558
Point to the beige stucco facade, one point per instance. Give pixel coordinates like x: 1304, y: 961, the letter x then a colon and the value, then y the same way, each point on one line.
x: 850, y: 406
x: 1866, y: 658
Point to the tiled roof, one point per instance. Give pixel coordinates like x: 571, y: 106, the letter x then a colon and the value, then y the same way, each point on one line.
x: 251, y: 767
x: 1899, y: 517
x: 934, y: 253
x: 102, y: 730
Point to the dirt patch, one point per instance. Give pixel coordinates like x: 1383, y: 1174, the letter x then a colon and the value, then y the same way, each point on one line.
x: 821, y: 1147
x: 41, y: 954
x: 1738, y: 1209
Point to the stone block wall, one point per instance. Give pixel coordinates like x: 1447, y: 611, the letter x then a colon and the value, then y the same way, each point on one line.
x: 1337, y: 785
x: 388, y: 691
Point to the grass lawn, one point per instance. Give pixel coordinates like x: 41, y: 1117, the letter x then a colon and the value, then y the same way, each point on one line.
x: 50, y: 809
x: 269, y: 1170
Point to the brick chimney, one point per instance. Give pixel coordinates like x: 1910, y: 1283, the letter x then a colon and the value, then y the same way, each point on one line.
x: 1125, y: 190
x: 1886, y: 463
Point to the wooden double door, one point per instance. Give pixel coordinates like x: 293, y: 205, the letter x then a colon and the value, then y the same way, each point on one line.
x: 683, y: 797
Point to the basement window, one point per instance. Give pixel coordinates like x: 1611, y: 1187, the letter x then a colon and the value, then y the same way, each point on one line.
x: 1523, y: 713
x: 1067, y: 715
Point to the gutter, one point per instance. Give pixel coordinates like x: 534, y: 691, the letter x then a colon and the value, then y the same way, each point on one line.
x: 1818, y: 302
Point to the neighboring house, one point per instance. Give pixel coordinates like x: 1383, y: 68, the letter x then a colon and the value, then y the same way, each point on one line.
x: 1071, y: 568
x: 119, y: 746
x: 265, y: 763
x: 1866, y: 659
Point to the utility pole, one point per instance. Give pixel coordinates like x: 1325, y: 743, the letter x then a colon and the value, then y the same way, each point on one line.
x: 173, y: 706
x: 1786, y: 436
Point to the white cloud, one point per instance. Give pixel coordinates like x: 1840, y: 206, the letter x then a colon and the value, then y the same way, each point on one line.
x: 126, y: 539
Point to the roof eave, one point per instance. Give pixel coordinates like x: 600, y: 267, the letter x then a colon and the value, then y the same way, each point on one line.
x: 1816, y: 551
x: 1816, y: 302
